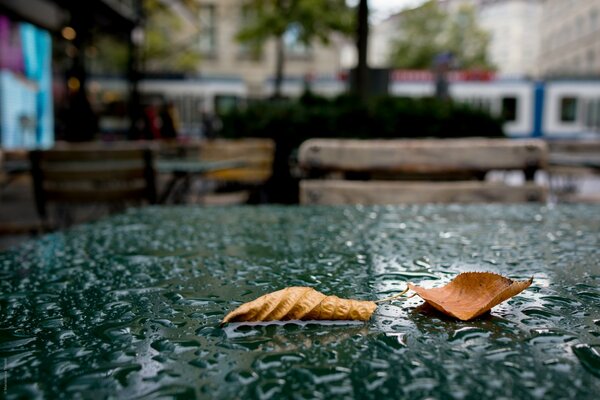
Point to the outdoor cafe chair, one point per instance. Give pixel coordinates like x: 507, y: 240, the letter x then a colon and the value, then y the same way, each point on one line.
x: 90, y: 176
x: 243, y: 183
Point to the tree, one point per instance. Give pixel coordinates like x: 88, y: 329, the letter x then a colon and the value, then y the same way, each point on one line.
x: 427, y: 31
x: 309, y: 19
x: 168, y: 46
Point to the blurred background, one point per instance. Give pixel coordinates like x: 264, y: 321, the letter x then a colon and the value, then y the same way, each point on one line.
x: 97, y: 68
x: 178, y: 75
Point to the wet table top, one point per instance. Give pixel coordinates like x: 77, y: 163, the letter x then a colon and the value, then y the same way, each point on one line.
x: 130, y: 306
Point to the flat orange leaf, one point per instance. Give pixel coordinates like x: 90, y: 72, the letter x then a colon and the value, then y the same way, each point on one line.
x: 301, y: 303
x: 471, y: 294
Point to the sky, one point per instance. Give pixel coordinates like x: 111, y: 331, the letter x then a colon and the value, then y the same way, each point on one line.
x: 382, y: 8
x: 393, y: 5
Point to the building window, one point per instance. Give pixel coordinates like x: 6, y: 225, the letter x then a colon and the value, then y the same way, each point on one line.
x: 509, y: 108
x: 593, y: 20
x: 568, y: 109
x: 293, y: 44
x: 591, y: 59
x: 580, y: 26
x: 207, y: 42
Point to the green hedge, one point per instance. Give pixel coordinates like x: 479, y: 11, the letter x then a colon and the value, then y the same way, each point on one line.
x: 346, y: 117
x: 290, y: 123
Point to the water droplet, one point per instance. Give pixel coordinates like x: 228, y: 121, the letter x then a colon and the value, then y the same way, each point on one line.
x: 468, y: 333
x: 269, y: 389
x: 589, y: 357
x: 539, y: 312
x: 422, y: 262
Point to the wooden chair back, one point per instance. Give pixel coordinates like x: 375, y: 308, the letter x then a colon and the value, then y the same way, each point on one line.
x: 448, y: 170
x: 92, y: 175
x: 572, y: 163
x: 256, y: 153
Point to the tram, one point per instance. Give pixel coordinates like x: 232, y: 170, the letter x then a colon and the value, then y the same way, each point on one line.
x: 191, y: 98
x: 553, y: 109
x: 557, y: 108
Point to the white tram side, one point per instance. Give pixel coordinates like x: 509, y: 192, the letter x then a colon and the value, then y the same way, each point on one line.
x: 512, y: 100
x: 190, y: 97
x: 571, y: 109
x: 327, y: 86
x: 554, y: 109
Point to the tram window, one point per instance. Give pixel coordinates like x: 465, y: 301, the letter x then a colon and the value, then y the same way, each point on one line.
x: 589, y: 114
x: 592, y: 115
x: 225, y: 103
x: 198, y: 110
x: 486, y: 104
x: 480, y: 103
x: 568, y: 109
x: 509, y: 109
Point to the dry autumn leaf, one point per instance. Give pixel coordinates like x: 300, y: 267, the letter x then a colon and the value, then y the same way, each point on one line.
x: 301, y: 303
x: 471, y: 294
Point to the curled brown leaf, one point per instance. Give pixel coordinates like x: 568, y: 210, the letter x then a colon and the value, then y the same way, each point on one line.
x: 301, y: 303
x: 471, y: 294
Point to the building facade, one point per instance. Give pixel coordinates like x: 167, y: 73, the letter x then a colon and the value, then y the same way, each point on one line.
x: 381, y: 38
x: 570, y: 38
x: 514, y: 27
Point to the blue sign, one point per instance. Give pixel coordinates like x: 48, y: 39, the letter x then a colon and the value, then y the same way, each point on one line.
x: 26, y: 111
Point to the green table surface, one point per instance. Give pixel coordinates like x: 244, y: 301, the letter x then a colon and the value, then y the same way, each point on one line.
x: 129, y: 307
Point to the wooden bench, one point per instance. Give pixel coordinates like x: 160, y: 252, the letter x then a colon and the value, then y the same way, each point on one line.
x: 418, y: 171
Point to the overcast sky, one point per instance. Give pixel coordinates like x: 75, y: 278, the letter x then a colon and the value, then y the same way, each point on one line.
x: 393, y: 5
x: 382, y: 8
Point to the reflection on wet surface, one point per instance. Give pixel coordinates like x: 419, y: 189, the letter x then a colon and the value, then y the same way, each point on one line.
x: 130, y: 307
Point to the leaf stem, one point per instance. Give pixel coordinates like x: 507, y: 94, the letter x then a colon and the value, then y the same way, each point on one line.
x: 392, y: 297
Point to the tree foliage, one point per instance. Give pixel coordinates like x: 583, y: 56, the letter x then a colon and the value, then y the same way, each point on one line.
x: 316, y: 19
x: 312, y: 20
x: 427, y: 31
x: 167, y: 46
